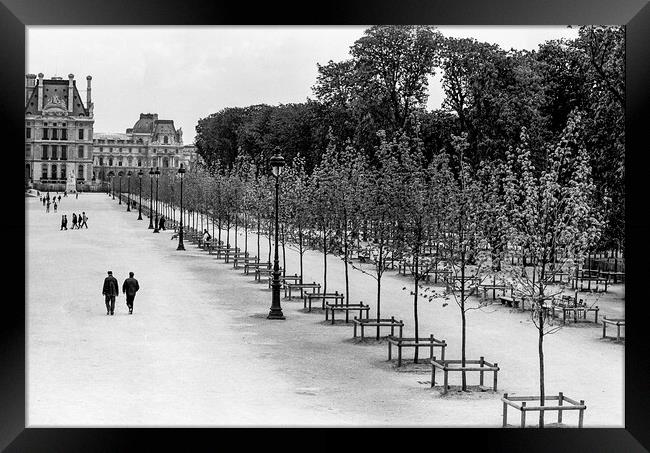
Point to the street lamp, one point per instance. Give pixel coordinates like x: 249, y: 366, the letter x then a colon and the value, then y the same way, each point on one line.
x: 140, y: 202
x: 155, y: 222
x: 277, y: 163
x: 120, y: 175
x: 128, y: 204
x: 181, y: 172
x: 111, y: 174
x: 151, y: 199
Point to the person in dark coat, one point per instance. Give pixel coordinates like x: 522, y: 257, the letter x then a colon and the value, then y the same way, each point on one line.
x: 64, y: 222
x: 74, y: 220
x: 109, y: 291
x: 130, y: 287
x: 161, y: 223
x: 82, y: 220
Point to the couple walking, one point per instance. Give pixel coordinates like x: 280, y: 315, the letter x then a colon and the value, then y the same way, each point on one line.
x: 111, y: 290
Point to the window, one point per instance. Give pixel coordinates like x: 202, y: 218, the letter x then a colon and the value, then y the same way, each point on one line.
x: 101, y: 161
x: 139, y: 163
x: 28, y: 132
x: 80, y: 152
x: 45, y: 150
x: 110, y: 149
x: 165, y: 140
x: 120, y: 163
x: 80, y: 173
x: 81, y: 134
x: 54, y: 152
x: 54, y: 134
x: 46, y: 134
x: 28, y: 151
x: 53, y: 174
x: 110, y: 161
x: 101, y: 149
x: 63, y: 172
x: 64, y: 152
x: 44, y: 172
x: 64, y: 134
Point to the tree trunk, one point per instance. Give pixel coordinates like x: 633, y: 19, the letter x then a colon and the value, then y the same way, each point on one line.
x: 301, y: 250
x: 284, y: 253
x: 541, y: 367
x: 324, y: 261
x: 415, y: 301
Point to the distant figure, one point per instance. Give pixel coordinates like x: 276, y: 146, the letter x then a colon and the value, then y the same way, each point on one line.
x: 47, y: 206
x: 161, y: 223
x: 76, y: 195
x: 55, y: 205
x: 206, y: 237
x: 130, y: 287
x: 65, y: 193
x: 109, y: 291
x: 59, y: 198
x: 83, y: 220
x: 43, y: 201
x: 74, y: 221
x: 64, y: 223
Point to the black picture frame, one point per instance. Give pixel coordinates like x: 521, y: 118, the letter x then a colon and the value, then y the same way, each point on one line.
x: 16, y: 14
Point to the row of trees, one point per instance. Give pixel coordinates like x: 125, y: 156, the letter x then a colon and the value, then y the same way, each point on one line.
x: 490, y: 95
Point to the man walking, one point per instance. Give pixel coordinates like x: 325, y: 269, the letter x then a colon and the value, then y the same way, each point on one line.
x: 109, y: 291
x: 83, y: 218
x: 130, y: 287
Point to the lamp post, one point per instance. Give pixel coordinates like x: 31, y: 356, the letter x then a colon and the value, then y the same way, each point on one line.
x: 181, y: 246
x: 128, y: 196
x: 140, y: 201
x: 120, y: 195
x: 155, y: 222
x: 111, y: 174
x: 151, y: 199
x: 277, y: 163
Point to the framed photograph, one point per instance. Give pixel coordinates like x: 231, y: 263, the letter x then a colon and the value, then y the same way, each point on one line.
x: 348, y: 215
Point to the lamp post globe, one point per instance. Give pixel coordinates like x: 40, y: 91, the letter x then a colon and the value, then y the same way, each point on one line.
x: 155, y: 221
x: 151, y: 173
x: 181, y: 246
x: 140, y: 173
x: 277, y: 165
x: 128, y: 192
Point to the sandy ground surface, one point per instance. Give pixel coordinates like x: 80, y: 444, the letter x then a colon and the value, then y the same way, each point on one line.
x: 199, y: 351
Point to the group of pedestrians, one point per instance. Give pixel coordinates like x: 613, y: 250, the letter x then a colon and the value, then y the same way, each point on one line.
x: 111, y: 290
x: 78, y: 221
x: 47, y: 201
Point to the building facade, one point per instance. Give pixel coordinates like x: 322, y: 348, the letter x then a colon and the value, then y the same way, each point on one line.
x: 151, y: 142
x: 58, y: 133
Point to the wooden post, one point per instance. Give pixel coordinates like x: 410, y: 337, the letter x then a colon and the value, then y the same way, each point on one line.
x: 399, y: 355
x: 431, y: 346
x: 390, y: 350
x: 618, y: 331
x: 505, y: 411
x: 444, y: 346
x: 560, y: 402
x: 581, y: 415
x: 604, y: 325
x: 355, y: 327
x: 481, y: 360
x: 523, y: 414
x: 444, y: 391
x: 392, y: 326
x: 433, y: 373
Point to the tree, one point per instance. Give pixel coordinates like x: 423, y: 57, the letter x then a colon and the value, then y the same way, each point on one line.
x: 551, y: 214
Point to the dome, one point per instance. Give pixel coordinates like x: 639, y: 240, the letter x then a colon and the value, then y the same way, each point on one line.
x: 144, y: 124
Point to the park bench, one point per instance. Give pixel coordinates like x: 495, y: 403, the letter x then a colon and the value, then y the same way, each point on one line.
x: 237, y: 259
x: 455, y: 365
x: 494, y: 287
x: 229, y: 253
x: 618, y: 322
x: 379, y: 323
x: 579, y: 310
x: 510, y: 301
x: 309, y: 297
x: 315, y: 287
x: 267, y: 272
x: 285, y: 278
x: 613, y: 276
x: 414, y: 343
x: 333, y: 307
x: 257, y: 265
x: 218, y: 249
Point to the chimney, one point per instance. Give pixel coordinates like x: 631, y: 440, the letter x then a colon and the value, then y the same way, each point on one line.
x: 40, y: 91
x: 30, y: 83
x: 88, y: 101
x: 70, y: 93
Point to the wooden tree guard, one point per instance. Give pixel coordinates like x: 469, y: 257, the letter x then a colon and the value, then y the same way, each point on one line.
x: 426, y: 342
x: 618, y: 322
x: 523, y: 408
x: 444, y: 366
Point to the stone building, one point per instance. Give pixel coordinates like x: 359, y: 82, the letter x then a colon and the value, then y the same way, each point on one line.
x: 58, y: 133
x: 151, y: 142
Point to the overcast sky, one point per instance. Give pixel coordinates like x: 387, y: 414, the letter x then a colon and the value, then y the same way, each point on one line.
x: 186, y: 73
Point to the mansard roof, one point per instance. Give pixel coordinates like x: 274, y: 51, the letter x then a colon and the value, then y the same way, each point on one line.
x: 56, y: 90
